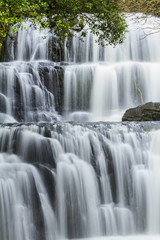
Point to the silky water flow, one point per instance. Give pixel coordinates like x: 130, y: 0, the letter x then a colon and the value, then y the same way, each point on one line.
x: 67, y: 169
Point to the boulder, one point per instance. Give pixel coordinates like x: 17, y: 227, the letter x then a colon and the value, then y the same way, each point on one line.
x: 147, y: 112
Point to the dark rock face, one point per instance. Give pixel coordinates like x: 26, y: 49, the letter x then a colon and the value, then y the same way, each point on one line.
x: 146, y: 112
x: 52, y: 78
x: 55, y: 50
x: 3, y: 104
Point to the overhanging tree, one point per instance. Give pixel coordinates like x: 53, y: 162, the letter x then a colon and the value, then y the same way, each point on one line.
x: 66, y: 18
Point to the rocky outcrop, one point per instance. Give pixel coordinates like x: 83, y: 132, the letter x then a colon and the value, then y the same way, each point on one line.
x: 147, y: 112
x: 52, y: 78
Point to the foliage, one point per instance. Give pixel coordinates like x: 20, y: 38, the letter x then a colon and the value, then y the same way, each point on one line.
x: 66, y: 17
x: 102, y: 17
x: 15, y: 11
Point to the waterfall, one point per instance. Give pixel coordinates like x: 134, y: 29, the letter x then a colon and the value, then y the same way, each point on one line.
x: 81, y: 181
x: 113, y: 76
x: 69, y: 169
x: 81, y: 80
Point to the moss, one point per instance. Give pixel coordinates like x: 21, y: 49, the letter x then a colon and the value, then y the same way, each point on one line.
x: 147, y: 119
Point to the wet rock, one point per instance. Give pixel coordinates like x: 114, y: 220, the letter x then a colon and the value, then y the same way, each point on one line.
x: 55, y: 50
x: 52, y: 78
x: 147, y: 112
x: 3, y: 103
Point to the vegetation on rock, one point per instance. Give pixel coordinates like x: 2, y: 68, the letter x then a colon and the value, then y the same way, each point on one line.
x: 151, y: 7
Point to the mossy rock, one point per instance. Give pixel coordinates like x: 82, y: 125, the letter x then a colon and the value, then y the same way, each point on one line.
x: 147, y: 112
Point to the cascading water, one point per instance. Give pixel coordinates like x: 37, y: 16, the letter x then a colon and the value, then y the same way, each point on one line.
x: 30, y: 80
x: 62, y: 180
x: 109, y: 80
